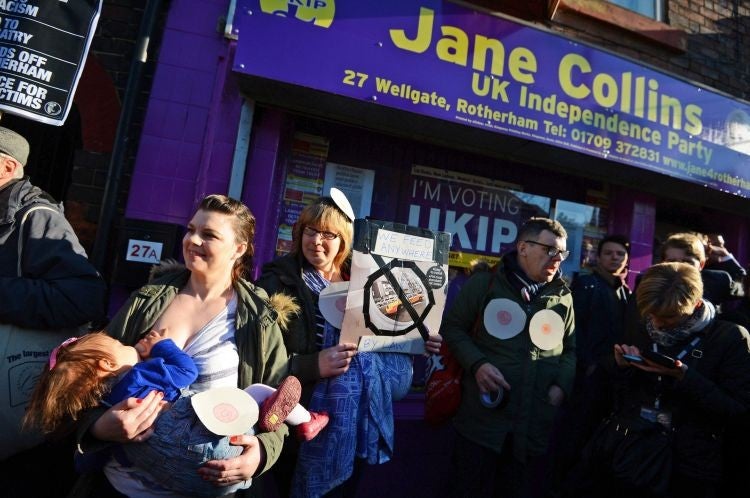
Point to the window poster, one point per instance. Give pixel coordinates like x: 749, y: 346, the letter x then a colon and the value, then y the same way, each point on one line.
x: 483, y: 214
x: 586, y: 226
x: 356, y: 183
x: 396, y: 293
x: 304, y: 183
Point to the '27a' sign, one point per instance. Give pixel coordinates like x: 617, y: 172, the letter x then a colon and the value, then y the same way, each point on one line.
x: 43, y: 46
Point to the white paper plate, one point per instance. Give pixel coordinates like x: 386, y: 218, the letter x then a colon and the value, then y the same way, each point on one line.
x: 332, y: 302
x: 339, y: 198
x: 546, y: 329
x: 504, y: 318
x: 226, y: 411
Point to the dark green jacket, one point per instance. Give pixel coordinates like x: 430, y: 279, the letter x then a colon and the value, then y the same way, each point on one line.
x: 530, y: 371
x: 258, y: 337
x: 284, y: 276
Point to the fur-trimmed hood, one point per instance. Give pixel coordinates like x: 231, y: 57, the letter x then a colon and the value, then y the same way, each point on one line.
x: 286, y: 309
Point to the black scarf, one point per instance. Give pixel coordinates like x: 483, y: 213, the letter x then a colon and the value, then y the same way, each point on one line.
x: 518, y: 278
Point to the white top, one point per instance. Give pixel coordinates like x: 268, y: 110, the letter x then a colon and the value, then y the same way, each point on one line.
x: 214, y: 351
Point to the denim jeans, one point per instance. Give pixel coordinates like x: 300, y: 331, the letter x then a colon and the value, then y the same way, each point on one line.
x: 179, y: 446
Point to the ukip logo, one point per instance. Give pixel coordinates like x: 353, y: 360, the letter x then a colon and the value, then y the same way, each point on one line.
x: 318, y: 12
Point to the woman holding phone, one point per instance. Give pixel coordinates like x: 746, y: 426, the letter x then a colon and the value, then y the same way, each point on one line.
x: 688, y: 374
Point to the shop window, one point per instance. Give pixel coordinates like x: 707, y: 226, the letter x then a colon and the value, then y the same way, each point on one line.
x: 586, y: 225
x: 649, y: 8
x: 645, y: 20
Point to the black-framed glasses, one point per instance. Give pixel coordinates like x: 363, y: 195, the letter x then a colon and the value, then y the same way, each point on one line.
x: 552, y: 251
x: 312, y: 232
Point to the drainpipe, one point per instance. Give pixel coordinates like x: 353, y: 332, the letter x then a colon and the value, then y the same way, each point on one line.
x: 114, y: 174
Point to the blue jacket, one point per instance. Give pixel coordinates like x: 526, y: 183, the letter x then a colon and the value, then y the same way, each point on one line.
x: 168, y: 370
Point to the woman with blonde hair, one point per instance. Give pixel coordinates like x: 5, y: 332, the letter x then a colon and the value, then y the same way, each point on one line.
x: 361, y: 429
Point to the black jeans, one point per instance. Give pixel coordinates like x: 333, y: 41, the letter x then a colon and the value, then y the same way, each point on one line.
x: 481, y: 472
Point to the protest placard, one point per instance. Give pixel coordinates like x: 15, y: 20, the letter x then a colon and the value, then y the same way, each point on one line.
x: 43, y: 47
x: 397, y: 288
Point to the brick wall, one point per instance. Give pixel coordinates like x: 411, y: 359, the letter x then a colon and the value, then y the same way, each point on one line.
x: 718, y: 42
x: 717, y: 33
x: 110, y: 58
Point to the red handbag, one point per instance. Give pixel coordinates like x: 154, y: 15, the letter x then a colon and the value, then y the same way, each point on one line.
x: 443, y: 389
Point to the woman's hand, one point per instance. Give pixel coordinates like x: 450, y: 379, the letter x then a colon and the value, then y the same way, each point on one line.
x: 621, y: 349
x: 678, y: 372
x: 234, y: 470
x: 432, y: 344
x: 336, y: 359
x: 130, y: 420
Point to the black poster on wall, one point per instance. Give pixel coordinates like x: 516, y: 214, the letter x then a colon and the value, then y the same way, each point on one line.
x: 43, y: 47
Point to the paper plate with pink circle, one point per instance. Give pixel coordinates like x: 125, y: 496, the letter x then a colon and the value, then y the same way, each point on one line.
x: 546, y: 329
x: 504, y: 318
x: 332, y: 302
x: 225, y: 411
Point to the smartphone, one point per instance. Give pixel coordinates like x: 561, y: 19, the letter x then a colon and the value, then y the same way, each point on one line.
x: 659, y: 359
x: 633, y: 358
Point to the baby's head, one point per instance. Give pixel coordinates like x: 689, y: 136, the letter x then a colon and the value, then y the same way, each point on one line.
x: 76, y: 378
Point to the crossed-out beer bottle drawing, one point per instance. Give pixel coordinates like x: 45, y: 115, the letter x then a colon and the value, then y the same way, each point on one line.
x: 396, y: 294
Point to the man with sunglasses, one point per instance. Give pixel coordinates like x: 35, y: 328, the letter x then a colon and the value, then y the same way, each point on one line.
x: 512, y: 331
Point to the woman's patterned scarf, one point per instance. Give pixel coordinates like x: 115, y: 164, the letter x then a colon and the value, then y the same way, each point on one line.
x: 699, y: 320
x: 316, y: 283
x: 360, y: 404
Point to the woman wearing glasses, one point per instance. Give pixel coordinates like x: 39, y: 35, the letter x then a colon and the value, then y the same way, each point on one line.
x: 321, y: 246
x: 322, y: 240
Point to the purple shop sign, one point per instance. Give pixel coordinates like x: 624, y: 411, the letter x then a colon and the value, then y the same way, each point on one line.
x: 444, y: 60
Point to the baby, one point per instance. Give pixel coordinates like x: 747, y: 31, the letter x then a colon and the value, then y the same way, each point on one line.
x: 97, y: 369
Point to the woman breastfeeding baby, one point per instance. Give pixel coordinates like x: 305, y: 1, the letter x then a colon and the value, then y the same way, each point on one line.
x: 98, y: 369
x: 230, y: 329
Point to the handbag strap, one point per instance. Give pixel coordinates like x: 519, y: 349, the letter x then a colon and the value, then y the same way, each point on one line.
x: 20, y: 231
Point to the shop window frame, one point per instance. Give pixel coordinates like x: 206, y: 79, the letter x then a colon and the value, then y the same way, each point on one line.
x: 616, y: 19
x: 658, y: 6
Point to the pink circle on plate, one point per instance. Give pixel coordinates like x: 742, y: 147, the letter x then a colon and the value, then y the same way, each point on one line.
x: 225, y: 412
x: 504, y: 317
